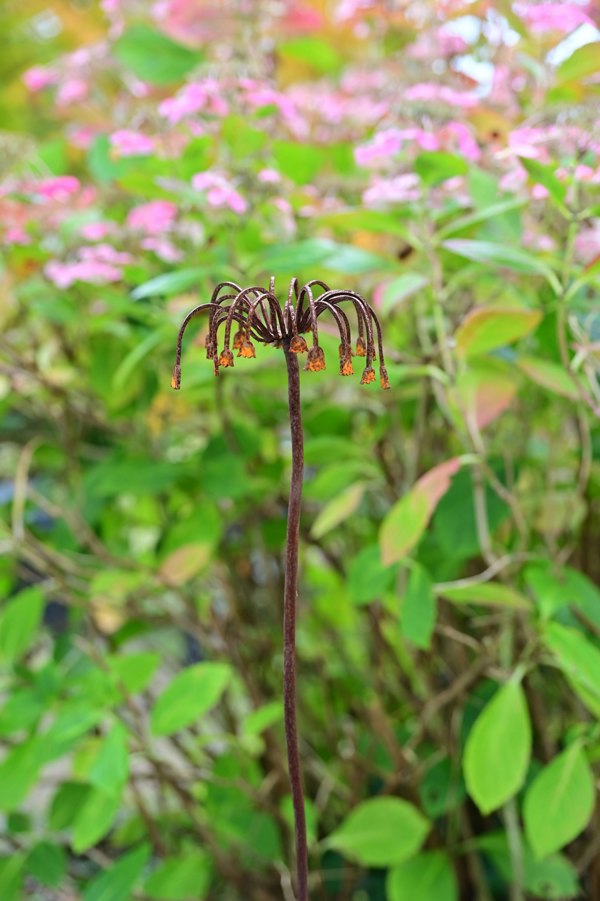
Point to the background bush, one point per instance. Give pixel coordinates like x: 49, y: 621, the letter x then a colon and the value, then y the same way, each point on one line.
x: 442, y: 158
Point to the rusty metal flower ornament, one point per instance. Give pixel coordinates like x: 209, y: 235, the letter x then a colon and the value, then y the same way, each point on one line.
x: 255, y: 314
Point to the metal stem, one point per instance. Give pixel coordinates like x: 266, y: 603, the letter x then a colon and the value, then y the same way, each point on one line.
x: 289, y: 621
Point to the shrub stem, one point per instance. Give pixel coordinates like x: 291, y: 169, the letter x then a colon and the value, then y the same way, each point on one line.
x: 289, y: 621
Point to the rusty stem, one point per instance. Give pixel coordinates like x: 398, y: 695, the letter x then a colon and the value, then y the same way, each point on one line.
x: 289, y: 621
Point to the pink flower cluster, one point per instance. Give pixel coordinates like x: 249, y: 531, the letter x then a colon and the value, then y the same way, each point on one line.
x: 198, y: 96
x: 131, y: 143
x: 219, y: 191
x: 97, y: 265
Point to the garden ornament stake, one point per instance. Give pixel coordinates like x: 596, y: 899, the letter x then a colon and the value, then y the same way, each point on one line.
x: 258, y: 316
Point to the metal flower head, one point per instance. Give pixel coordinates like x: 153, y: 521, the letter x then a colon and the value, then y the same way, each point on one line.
x: 255, y: 314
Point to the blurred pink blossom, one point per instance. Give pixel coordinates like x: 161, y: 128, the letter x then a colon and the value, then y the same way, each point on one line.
x: 92, y: 271
x: 59, y: 188
x: 401, y: 189
x: 430, y: 92
x: 587, y: 243
x: 563, y: 17
x: 73, y: 90
x: 466, y: 144
x: 439, y: 42
x: 16, y: 235
x: 269, y: 176
x: 163, y: 248
x: 388, y: 142
x: 348, y: 9
x: 131, y: 143
x: 38, y: 77
x: 105, y: 253
x: 219, y: 191
x: 152, y: 218
x: 97, y: 231
x: 193, y: 98
x: 82, y: 136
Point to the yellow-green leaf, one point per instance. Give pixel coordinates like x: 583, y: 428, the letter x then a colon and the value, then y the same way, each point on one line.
x: 485, y: 329
x: 407, y: 520
x: 488, y: 594
x: 337, y: 510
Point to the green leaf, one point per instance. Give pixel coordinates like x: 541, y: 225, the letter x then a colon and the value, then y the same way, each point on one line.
x: 418, y: 608
x: 427, y: 877
x: 47, y: 862
x: 381, y: 832
x: 300, y: 162
x: 263, y: 718
x: 111, y: 767
x: 66, y: 804
x: 318, y: 54
x: 489, y: 211
x: 487, y: 328
x: 498, y: 748
x: 293, y: 259
x: 368, y: 578
x: 189, y: 696
x: 185, y: 562
x: 407, y: 520
x: 169, y: 283
x: 135, y: 356
x: 553, y: 879
x: 544, y: 175
x: 94, y: 819
x: 19, y: 620
x: 399, y: 289
x: 583, y: 62
x: 577, y: 657
x: 11, y: 877
x: 502, y: 256
x: 436, y: 166
x: 154, y: 57
x: 559, y: 802
x: 338, y: 510
x: 19, y: 771
x: 116, y: 883
x: 488, y: 594
x: 180, y: 878
x: 134, y: 671
x: 548, y: 375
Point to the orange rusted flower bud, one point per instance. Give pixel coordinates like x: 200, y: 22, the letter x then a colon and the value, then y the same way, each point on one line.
x: 316, y: 359
x: 346, y: 367
x: 238, y: 340
x: 361, y: 350
x: 247, y: 349
x: 298, y: 345
x: 383, y: 378
x: 226, y: 358
x: 368, y: 376
x: 176, y: 377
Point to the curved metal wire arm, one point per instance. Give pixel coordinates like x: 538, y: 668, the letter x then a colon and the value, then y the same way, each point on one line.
x: 259, y: 316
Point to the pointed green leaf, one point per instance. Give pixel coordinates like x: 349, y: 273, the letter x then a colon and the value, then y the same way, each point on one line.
x: 487, y: 328
x: 418, y: 608
x: 338, y: 510
x: 116, y: 883
x: 559, y: 802
x: 19, y: 619
x: 405, y: 523
x: 498, y: 749
x: 426, y: 877
x: 189, y: 696
x: 380, y: 832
